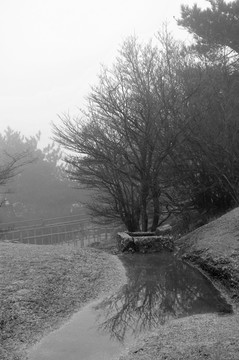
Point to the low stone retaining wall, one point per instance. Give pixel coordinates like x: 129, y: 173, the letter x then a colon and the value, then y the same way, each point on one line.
x: 144, y: 242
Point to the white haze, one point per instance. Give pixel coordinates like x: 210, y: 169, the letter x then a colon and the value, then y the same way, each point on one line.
x: 51, y: 52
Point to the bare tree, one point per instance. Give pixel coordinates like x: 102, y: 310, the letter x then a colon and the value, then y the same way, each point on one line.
x: 120, y: 144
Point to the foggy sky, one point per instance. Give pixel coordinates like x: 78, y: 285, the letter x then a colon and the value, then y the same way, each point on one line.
x: 51, y: 52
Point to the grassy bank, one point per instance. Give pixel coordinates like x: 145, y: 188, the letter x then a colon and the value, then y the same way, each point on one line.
x: 41, y: 286
x: 214, y: 249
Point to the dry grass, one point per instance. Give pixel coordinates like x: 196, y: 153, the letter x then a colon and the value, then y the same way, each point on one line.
x: 197, y: 337
x: 41, y: 286
x: 219, y: 237
x: 214, y: 248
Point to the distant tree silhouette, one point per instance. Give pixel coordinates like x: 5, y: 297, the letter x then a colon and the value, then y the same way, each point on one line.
x: 41, y: 188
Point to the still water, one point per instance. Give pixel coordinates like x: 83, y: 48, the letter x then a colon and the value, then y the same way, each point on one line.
x: 159, y: 287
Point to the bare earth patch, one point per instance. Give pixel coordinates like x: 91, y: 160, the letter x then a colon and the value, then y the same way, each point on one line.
x: 41, y: 286
x: 213, y: 249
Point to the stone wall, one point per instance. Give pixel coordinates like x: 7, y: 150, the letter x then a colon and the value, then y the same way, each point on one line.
x: 144, y: 243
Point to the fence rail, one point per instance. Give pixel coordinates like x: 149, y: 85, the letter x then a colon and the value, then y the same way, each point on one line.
x: 16, y: 225
x: 77, y: 232
x: 77, y: 223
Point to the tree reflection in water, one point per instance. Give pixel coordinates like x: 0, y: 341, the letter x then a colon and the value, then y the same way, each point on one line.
x: 159, y: 287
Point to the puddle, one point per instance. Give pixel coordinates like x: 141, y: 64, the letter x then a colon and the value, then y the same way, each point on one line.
x: 77, y: 340
x: 159, y: 287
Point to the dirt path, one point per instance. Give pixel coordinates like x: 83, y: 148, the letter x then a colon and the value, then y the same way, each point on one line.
x: 214, y: 249
x: 41, y: 286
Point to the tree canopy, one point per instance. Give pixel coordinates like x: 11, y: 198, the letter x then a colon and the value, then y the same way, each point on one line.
x: 217, y: 25
x: 159, y: 134
x: 214, y: 108
x: 120, y: 144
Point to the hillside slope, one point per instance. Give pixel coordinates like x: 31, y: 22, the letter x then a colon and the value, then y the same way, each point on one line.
x: 214, y: 248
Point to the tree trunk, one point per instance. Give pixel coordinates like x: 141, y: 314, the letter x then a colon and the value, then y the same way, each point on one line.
x: 156, y: 213
x: 144, y: 203
x: 144, y: 219
x: 132, y: 220
x: 156, y: 205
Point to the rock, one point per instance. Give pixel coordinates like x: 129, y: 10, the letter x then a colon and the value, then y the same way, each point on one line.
x: 133, y: 234
x: 124, y: 241
x: 147, y: 244
x: 164, y: 230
